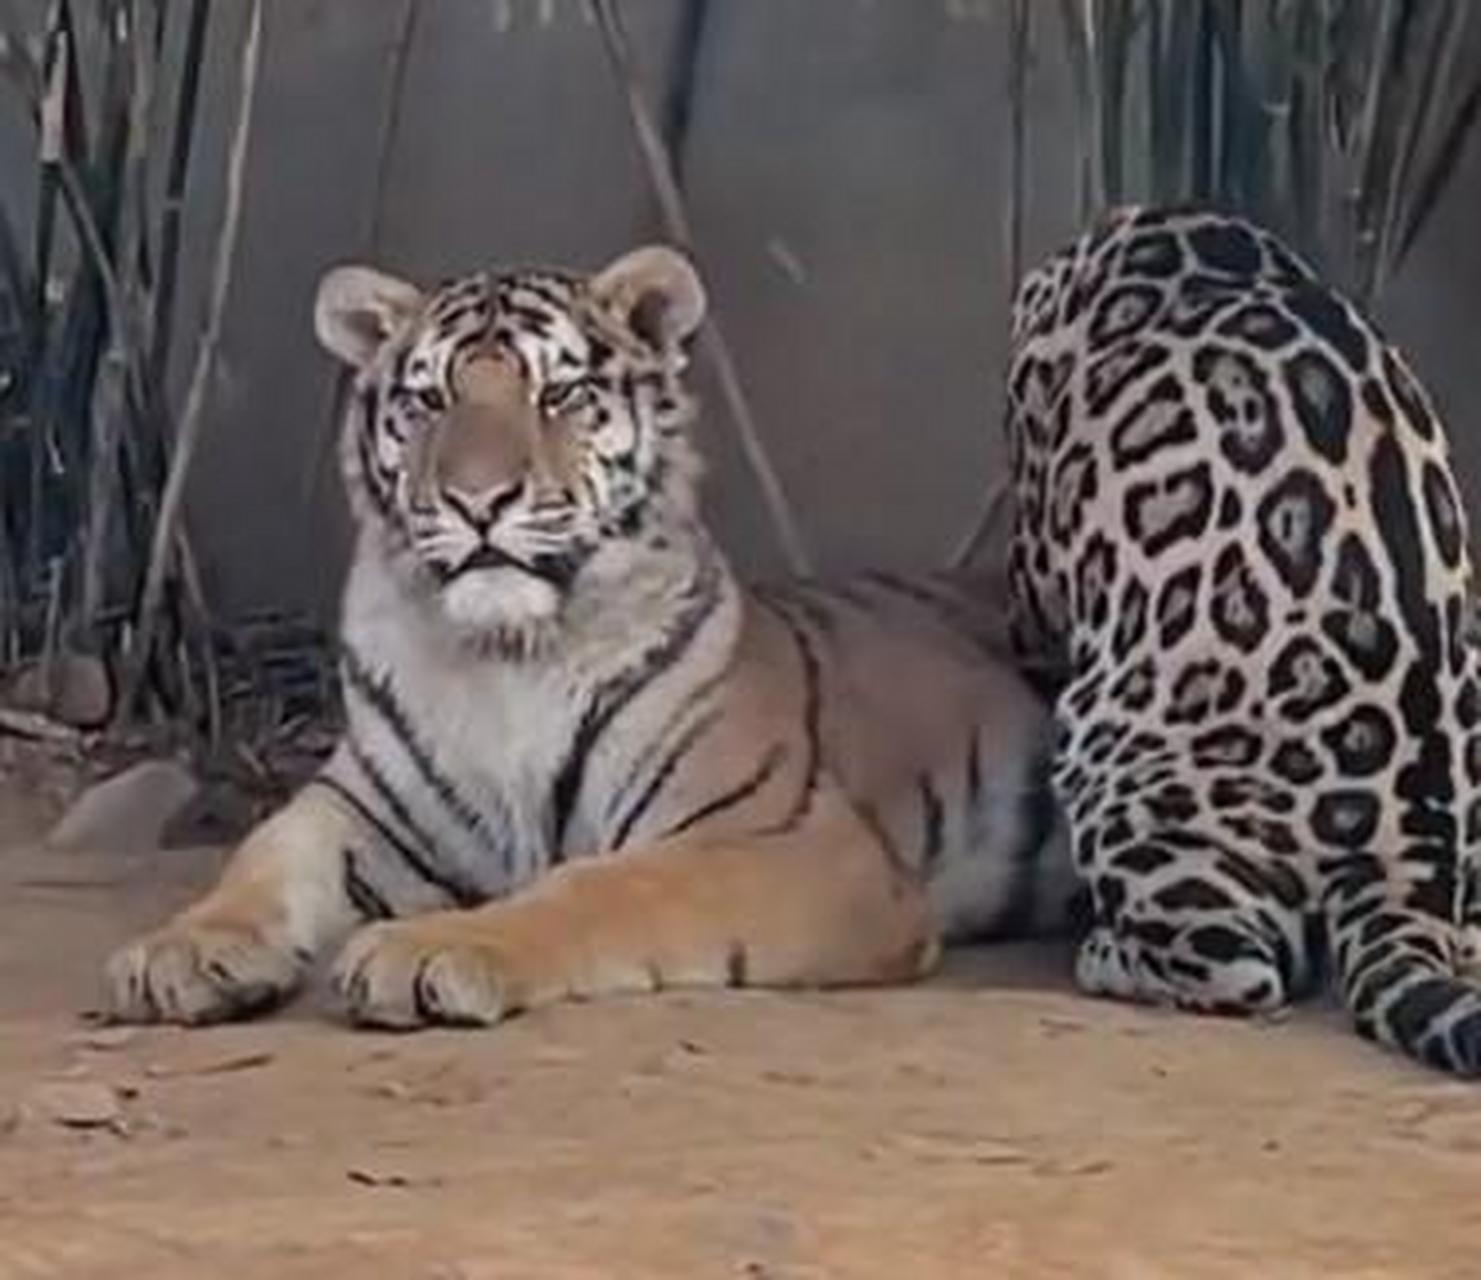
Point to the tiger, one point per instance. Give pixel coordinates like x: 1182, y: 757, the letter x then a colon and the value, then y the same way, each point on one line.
x: 580, y: 757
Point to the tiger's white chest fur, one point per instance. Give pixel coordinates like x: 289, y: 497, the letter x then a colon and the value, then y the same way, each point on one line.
x: 486, y: 764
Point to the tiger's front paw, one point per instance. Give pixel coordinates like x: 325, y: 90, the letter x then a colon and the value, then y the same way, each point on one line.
x: 196, y: 972
x: 404, y: 974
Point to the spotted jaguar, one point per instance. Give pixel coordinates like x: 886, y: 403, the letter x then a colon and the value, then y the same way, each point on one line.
x: 1239, y: 536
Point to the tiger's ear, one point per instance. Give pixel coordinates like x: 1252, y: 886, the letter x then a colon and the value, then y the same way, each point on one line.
x: 358, y: 308
x: 655, y: 293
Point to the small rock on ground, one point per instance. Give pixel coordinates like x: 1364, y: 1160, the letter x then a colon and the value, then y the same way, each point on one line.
x: 78, y: 1104
x: 129, y: 811
x: 73, y: 689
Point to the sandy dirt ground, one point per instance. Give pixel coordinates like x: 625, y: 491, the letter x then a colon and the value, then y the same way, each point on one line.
x: 986, y: 1124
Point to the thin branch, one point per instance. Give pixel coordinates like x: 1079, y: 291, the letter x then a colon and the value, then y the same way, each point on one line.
x: 195, y: 594
x: 1019, y: 53
x: 192, y: 416
x: 36, y: 727
x: 339, y: 383
x: 676, y: 223
x: 994, y: 503
x: 406, y: 37
x: 678, y: 107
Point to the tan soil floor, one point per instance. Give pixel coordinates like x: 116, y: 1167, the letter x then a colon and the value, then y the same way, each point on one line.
x: 987, y: 1124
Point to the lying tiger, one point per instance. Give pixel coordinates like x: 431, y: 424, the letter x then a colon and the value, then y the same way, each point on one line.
x: 545, y: 658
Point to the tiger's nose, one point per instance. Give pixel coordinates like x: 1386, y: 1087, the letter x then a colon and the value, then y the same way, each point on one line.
x: 481, y: 510
x: 478, y: 454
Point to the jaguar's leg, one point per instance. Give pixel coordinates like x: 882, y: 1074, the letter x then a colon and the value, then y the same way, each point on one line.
x: 1468, y: 871
x: 1185, y: 918
x: 819, y: 904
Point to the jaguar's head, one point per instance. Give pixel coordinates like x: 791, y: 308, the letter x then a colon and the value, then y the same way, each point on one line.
x: 510, y: 430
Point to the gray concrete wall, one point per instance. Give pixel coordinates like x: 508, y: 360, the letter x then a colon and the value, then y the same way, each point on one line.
x: 844, y: 168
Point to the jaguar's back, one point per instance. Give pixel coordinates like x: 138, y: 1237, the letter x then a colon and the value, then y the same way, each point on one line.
x: 1238, y: 525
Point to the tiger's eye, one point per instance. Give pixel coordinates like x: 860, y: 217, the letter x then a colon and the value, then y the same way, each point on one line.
x: 565, y: 397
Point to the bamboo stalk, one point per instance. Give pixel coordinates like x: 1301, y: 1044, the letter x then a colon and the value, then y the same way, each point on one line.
x: 390, y: 134
x: 1433, y: 86
x: 57, y: 161
x: 10, y: 600
x: 1074, y: 22
x: 1112, y: 40
x: 1376, y: 97
x: 678, y: 107
x: 1442, y: 168
x: 1299, y: 156
x: 329, y: 422
x: 190, y: 573
x: 134, y: 223
x: 995, y: 502
x: 111, y: 400
x: 178, y: 165
x: 51, y: 631
x: 1159, y: 158
x: 1018, y: 55
x: 1411, y: 108
x: 50, y: 109
x: 676, y: 222
x: 102, y: 483
x: 16, y: 278
x: 1200, y: 181
x: 192, y: 417
x: 125, y: 323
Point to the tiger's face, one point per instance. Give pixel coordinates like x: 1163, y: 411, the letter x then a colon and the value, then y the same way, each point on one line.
x: 511, y: 433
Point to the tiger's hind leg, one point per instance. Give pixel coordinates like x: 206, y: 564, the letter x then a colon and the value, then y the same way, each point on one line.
x: 1185, y: 919
x: 819, y: 904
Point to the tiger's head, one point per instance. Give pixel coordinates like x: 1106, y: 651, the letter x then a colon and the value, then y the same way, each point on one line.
x: 512, y: 435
